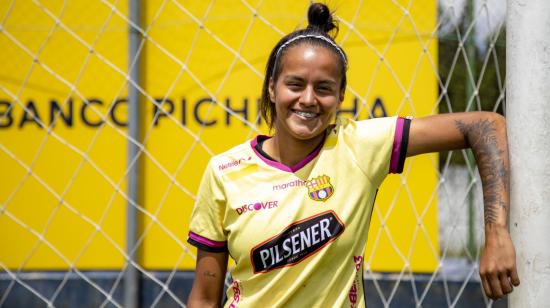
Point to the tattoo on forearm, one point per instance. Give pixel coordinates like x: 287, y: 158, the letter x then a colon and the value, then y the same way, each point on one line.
x: 209, y: 274
x: 492, y: 163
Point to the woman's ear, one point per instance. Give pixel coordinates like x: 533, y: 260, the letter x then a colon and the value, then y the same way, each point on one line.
x: 271, y: 90
x: 342, y: 95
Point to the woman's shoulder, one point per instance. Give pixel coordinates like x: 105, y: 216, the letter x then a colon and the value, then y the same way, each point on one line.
x: 371, y: 124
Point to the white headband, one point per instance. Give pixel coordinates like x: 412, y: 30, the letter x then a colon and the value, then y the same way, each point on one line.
x: 313, y: 36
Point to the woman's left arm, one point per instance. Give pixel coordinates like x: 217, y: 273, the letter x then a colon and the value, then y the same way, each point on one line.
x: 485, y: 134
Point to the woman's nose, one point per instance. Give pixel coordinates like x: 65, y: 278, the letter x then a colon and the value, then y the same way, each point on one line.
x: 308, y: 96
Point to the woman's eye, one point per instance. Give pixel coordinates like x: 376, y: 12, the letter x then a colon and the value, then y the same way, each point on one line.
x: 324, y: 89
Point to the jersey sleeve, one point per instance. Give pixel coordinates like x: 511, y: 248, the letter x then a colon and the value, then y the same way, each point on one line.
x: 206, y: 226
x: 379, y: 145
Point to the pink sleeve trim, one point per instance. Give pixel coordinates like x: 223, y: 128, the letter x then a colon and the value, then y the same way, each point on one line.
x: 397, y: 141
x: 205, y: 241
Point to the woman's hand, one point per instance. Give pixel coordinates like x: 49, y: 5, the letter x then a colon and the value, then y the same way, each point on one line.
x: 497, y: 265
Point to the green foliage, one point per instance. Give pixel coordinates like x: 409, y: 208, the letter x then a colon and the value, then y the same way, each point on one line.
x: 488, y: 71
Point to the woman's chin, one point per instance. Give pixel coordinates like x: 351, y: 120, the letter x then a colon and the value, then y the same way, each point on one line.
x: 305, y: 134
x: 301, y: 132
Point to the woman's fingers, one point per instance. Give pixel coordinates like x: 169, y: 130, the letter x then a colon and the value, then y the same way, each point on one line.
x: 496, y: 289
x: 486, y: 286
x: 514, y: 276
x: 505, y: 284
x: 497, y: 284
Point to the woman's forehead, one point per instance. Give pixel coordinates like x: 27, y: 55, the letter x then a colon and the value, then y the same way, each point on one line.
x: 307, y: 56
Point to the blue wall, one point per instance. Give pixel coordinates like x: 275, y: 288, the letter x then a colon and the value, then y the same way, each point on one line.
x: 78, y: 293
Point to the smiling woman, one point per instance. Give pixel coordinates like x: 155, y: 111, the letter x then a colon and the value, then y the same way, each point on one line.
x: 311, y: 241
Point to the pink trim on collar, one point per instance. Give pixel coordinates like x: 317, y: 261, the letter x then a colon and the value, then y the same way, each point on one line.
x: 279, y: 165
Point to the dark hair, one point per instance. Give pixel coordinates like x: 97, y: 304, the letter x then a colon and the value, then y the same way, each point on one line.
x: 320, y: 23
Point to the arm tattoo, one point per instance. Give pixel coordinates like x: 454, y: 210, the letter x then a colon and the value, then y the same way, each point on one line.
x: 209, y: 274
x: 491, y: 160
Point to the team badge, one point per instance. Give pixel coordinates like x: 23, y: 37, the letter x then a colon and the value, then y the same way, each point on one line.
x: 319, y: 188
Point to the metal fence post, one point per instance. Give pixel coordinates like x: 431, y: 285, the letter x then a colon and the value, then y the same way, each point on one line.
x: 131, y: 275
x: 528, y: 116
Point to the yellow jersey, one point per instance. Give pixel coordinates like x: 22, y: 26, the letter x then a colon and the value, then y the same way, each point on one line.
x: 297, y: 234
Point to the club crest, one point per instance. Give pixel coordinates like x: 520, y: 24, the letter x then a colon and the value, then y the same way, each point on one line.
x: 319, y: 188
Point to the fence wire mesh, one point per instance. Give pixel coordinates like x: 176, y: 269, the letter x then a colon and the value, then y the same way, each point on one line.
x: 64, y: 136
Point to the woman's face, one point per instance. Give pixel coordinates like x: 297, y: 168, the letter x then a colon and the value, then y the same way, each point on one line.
x: 307, y: 93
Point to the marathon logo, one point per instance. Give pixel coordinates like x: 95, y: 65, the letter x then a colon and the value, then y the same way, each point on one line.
x: 297, y: 242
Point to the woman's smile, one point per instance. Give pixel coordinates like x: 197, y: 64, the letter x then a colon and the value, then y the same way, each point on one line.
x: 305, y: 115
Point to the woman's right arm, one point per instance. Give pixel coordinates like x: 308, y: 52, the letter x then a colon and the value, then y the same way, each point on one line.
x: 209, y: 279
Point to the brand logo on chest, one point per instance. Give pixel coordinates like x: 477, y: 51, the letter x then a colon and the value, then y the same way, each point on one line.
x: 257, y: 206
x: 233, y: 163
x: 296, y: 242
x: 320, y: 188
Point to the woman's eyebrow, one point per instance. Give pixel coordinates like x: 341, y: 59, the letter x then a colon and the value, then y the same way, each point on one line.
x: 298, y: 78
x: 327, y: 81
x: 293, y: 78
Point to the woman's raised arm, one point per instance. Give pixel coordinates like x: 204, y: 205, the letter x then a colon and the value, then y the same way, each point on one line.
x: 485, y: 134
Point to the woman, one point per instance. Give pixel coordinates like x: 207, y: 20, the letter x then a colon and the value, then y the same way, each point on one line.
x: 293, y: 210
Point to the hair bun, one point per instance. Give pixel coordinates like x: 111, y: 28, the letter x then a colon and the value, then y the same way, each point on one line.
x: 319, y: 17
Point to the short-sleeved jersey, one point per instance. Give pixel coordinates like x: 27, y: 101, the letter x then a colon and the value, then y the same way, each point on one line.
x: 297, y: 234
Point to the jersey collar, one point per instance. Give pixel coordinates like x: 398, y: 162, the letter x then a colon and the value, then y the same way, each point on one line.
x: 280, y: 166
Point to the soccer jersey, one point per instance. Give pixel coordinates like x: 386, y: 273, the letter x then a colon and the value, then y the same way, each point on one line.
x: 297, y: 234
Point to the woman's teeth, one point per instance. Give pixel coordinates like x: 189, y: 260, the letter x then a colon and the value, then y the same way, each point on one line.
x: 307, y: 115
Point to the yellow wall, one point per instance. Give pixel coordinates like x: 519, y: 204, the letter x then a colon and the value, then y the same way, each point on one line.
x: 186, y: 64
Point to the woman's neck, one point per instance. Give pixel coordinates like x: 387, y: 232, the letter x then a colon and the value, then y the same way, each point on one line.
x: 290, y: 151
